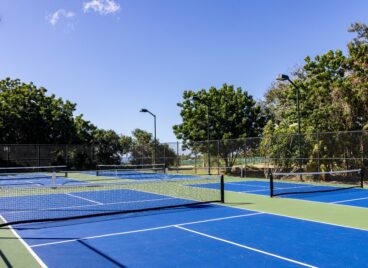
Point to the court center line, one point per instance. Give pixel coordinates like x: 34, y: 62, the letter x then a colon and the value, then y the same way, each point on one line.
x: 349, y: 200
x: 86, y: 199
x: 246, y: 247
x: 147, y: 229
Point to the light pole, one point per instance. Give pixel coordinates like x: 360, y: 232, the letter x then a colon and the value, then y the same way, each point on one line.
x: 155, y: 140
x: 284, y: 77
x: 195, y: 98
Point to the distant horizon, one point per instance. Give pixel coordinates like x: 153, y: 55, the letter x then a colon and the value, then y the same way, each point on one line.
x: 113, y: 60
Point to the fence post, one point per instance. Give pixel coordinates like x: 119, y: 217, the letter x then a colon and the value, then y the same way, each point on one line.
x: 362, y: 150
x: 195, y: 162
x: 165, y: 155
x: 244, y: 169
x: 8, y: 155
x: 66, y: 155
x: 318, y: 152
x: 177, y: 156
x: 218, y: 157
x: 38, y: 155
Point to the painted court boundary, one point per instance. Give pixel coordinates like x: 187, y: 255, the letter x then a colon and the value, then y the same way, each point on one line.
x: 256, y: 212
x: 29, y: 249
x: 339, y: 202
x: 244, y: 246
x: 180, y: 226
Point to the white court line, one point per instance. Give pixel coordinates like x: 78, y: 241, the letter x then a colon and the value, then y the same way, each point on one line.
x: 102, y: 204
x: 30, y: 250
x: 349, y: 200
x: 148, y: 229
x: 297, y: 218
x: 246, y: 247
x: 86, y: 199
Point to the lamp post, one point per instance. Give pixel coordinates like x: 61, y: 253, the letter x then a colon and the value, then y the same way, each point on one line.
x: 155, y: 140
x: 284, y: 77
x: 195, y: 98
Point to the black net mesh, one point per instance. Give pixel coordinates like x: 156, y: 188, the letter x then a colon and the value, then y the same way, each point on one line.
x: 314, y: 182
x: 83, y: 198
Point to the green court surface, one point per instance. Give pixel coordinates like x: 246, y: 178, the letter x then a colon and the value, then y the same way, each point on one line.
x: 14, y: 252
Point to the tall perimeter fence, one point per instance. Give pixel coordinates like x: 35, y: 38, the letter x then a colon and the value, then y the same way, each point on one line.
x: 248, y: 157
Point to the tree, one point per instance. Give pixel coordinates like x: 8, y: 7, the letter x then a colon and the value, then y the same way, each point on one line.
x: 331, y: 85
x: 108, y: 147
x: 333, y: 97
x: 142, y: 149
x: 232, y: 114
x: 29, y: 115
x: 85, y: 130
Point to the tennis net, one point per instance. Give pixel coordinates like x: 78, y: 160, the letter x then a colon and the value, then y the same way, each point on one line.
x: 129, y: 170
x: 38, y: 204
x: 314, y: 182
x: 30, y: 175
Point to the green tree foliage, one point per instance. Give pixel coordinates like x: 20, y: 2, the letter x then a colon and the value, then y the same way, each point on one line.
x: 29, y: 115
x: 331, y: 86
x: 232, y: 114
x: 333, y: 97
x: 142, y: 149
x: 108, y: 147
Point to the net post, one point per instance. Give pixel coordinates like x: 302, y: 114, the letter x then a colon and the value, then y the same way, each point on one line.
x: 222, y: 183
x: 362, y: 178
x: 270, y: 177
x: 53, y: 179
x: 97, y: 167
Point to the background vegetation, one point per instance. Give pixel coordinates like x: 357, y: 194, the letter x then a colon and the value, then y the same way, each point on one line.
x: 333, y: 97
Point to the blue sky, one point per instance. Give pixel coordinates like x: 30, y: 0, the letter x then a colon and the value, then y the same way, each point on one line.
x: 113, y: 57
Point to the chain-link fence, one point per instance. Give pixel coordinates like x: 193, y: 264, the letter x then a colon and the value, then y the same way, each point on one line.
x: 80, y: 156
x: 317, y: 151
x: 241, y: 157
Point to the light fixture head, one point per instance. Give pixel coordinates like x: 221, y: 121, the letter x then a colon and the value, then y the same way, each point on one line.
x: 282, y: 77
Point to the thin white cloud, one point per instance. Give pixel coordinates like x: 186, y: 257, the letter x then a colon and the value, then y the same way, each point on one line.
x: 103, y: 7
x: 57, y: 15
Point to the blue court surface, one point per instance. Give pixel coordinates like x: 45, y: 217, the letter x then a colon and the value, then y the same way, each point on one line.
x: 206, y: 235
x: 351, y: 197
x: 200, y: 236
